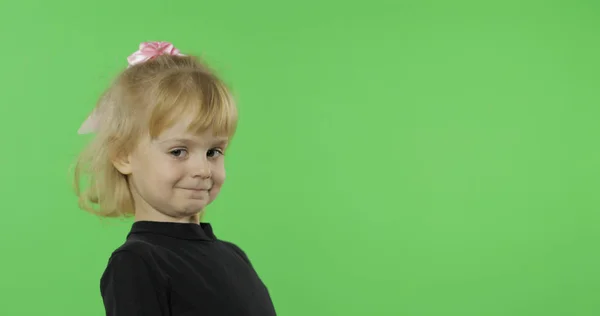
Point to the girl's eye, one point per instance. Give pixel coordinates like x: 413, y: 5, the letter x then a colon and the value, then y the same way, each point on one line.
x: 215, y: 152
x: 178, y: 153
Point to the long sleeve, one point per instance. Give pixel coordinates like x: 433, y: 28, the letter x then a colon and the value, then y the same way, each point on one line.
x: 130, y: 288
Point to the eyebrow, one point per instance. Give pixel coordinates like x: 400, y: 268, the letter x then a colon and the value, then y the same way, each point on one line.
x: 187, y: 141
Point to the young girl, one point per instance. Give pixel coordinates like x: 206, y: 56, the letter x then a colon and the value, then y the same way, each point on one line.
x: 162, y: 129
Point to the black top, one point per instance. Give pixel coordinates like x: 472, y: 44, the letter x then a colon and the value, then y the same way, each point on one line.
x: 177, y: 269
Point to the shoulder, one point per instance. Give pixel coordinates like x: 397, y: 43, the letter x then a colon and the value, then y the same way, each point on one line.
x: 129, y: 261
x: 130, y: 255
x: 237, y: 250
x: 135, y: 247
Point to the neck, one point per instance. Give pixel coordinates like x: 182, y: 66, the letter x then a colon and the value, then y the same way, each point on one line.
x: 142, y: 216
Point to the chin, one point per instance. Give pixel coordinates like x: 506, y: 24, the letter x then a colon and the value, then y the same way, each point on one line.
x: 192, y: 209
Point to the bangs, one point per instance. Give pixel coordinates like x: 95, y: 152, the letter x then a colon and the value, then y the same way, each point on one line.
x: 197, y: 98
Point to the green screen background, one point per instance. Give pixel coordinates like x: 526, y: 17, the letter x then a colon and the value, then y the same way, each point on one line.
x: 393, y: 157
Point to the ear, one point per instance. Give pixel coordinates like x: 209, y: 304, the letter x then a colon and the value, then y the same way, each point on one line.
x: 123, y: 164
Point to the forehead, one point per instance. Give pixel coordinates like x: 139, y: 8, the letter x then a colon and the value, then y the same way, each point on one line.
x: 193, y: 119
x: 182, y: 131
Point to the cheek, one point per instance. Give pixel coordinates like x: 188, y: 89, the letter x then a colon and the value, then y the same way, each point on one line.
x: 168, y: 172
x: 218, y: 178
x: 214, y: 192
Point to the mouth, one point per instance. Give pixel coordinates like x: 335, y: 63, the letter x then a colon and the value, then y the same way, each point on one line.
x: 197, y: 189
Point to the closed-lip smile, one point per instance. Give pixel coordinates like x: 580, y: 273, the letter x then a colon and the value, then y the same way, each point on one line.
x: 196, y: 189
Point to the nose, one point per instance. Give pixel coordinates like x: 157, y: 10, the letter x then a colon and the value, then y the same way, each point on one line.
x: 201, y: 169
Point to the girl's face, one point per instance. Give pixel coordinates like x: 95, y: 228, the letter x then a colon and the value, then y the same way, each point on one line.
x: 175, y: 176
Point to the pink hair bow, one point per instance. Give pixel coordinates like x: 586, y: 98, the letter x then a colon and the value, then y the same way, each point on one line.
x: 150, y: 50
x: 147, y: 51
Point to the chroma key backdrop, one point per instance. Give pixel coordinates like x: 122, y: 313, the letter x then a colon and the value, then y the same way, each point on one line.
x: 393, y: 158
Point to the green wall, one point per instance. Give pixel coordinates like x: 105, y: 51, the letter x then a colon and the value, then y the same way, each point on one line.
x: 418, y: 158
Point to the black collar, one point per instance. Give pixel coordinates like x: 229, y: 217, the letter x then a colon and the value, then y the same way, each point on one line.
x: 190, y: 231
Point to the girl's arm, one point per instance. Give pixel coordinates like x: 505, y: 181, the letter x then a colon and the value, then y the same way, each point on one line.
x: 130, y: 288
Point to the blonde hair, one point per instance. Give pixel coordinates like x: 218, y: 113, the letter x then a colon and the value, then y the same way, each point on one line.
x: 147, y: 98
